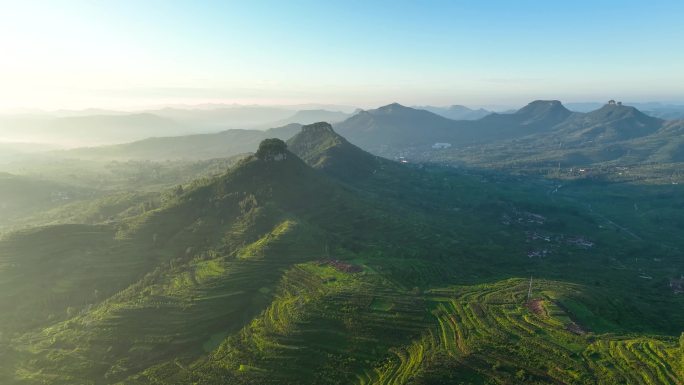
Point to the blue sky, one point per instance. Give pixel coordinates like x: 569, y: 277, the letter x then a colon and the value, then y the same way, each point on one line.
x: 133, y: 53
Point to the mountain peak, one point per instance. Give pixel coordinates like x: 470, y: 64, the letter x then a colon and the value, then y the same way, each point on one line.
x: 272, y: 150
x: 320, y: 128
x: 542, y: 106
x: 394, y: 107
x: 321, y: 147
x: 616, y: 110
x: 610, y: 123
x: 460, y: 108
x: 545, y: 112
x: 314, y: 139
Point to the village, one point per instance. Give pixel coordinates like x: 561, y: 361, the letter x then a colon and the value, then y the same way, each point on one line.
x: 543, y: 243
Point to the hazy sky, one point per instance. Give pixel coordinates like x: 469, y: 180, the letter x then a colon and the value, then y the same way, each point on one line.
x: 75, y: 54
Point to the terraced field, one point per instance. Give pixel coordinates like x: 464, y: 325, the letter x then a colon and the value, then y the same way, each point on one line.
x: 178, y: 312
x: 322, y: 321
x: 492, y: 334
x: 331, y: 327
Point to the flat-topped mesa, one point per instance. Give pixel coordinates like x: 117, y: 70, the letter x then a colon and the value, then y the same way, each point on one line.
x: 544, y: 107
x: 317, y: 128
x: 272, y: 150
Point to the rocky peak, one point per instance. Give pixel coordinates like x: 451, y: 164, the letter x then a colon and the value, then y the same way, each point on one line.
x: 272, y: 150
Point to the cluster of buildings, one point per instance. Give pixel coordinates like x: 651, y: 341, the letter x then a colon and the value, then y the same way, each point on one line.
x: 341, y: 266
x: 441, y: 146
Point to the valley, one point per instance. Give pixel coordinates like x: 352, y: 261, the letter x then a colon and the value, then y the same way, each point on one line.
x: 313, y: 259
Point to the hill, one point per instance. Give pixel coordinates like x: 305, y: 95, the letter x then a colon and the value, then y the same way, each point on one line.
x: 22, y: 196
x: 313, y: 116
x: 618, y: 142
x: 190, y: 147
x: 395, y: 130
x: 322, y: 148
x: 537, y: 117
x: 656, y: 109
x: 610, y: 123
x: 279, y: 273
x: 456, y: 112
x: 395, y: 126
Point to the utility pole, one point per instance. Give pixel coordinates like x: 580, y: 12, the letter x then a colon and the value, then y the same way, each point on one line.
x: 529, y: 290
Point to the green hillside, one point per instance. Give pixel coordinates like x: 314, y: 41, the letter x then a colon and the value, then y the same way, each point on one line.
x: 322, y: 148
x: 343, y: 268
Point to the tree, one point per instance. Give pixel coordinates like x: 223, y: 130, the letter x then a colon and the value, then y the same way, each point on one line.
x: 520, y: 375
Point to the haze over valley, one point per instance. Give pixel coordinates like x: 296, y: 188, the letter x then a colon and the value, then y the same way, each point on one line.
x: 404, y: 193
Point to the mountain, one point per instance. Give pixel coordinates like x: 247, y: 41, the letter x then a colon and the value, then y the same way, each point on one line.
x: 190, y: 147
x: 543, y: 112
x: 542, y: 134
x: 538, y: 116
x: 322, y: 148
x: 396, y: 126
x: 456, y: 112
x: 616, y: 141
x: 313, y: 116
x: 611, y: 123
x: 665, y: 111
x: 275, y: 272
x: 235, y: 235
x: 219, y: 117
x: 394, y: 129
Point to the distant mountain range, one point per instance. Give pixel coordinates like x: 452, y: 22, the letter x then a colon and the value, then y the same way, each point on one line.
x: 96, y: 127
x: 542, y: 134
x: 457, y: 112
x: 394, y: 129
x: 190, y: 147
x: 657, y: 110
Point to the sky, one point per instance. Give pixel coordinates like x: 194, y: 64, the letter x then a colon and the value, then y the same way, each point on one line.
x: 129, y: 54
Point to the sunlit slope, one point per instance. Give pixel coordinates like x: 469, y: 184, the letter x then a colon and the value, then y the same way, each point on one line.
x: 277, y: 272
x: 323, y: 149
x: 492, y: 334
x: 218, y: 249
x: 330, y: 327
